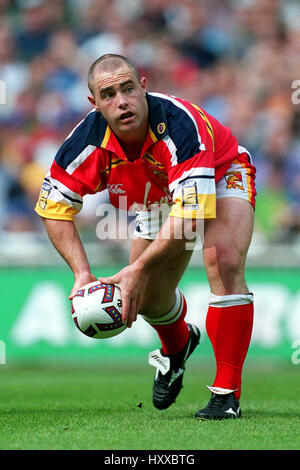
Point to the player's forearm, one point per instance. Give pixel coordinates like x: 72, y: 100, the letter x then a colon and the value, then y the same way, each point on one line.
x: 172, y: 239
x: 65, y: 238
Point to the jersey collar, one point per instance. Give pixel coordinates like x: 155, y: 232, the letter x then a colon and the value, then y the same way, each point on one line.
x: 157, y: 117
x: 102, y: 136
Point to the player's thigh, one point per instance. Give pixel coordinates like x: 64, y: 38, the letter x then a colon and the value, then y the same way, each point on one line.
x: 227, y: 238
x: 160, y: 292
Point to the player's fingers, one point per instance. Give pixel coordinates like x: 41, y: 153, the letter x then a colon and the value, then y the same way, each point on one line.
x: 109, y: 280
x: 80, y: 282
x: 132, y: 313
x: 125, y: 308
x: 129, y: 310
x: 73, y: 292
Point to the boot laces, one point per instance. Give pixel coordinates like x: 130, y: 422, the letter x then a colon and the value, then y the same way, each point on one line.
x: 217, y: 401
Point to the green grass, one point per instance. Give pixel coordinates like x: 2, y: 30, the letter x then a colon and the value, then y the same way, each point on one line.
x: 102, y: 407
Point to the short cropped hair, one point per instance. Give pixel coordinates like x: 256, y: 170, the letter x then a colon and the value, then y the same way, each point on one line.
x: 113, y: 61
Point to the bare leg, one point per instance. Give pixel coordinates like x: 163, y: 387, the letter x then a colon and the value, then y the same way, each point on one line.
x: 227, y: 239
x: 160, y: 292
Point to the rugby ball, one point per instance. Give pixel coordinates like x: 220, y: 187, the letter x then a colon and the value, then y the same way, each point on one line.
x: 96, y: 310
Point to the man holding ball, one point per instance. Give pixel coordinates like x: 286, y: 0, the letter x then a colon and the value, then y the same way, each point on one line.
x: 163, y: 151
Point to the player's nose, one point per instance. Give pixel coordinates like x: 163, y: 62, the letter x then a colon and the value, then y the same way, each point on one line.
x: 122, y: 101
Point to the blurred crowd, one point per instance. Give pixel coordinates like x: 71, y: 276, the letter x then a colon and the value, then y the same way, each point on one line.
x: 237, y: 59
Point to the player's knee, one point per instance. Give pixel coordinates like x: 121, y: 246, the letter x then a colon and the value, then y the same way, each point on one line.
x: 231, y: 261
x: 155, y: 306
x: 226, y: 261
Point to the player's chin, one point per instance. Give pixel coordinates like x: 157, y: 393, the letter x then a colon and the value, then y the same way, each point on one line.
x: 130, y: 122
x: 128, y: 127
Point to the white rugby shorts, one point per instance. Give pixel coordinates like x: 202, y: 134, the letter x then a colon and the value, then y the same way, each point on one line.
x: 238, y: 181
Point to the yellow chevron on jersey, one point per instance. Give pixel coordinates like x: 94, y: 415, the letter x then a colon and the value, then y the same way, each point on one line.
x: 148, y: 156
x: 116, y: 162
x: 208, y: 124
x: 99, y: 187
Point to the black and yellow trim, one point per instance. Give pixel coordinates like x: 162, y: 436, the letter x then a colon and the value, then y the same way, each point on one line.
x: 208, y: 124
x: 152, y: 160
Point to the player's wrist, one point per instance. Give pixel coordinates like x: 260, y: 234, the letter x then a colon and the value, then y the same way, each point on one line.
x: 142, y: 265
x: 82, y: 273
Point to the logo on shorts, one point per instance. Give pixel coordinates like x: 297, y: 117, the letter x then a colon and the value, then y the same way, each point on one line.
x: 234, y: 180
x: 139, y: 227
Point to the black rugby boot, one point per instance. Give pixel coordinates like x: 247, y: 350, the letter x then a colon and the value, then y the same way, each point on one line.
x: 170, y: 369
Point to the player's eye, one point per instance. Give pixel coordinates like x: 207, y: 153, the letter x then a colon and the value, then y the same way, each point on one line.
x: 107, y: 95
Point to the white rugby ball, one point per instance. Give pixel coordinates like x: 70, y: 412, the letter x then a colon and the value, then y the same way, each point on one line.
x: 96, y: 310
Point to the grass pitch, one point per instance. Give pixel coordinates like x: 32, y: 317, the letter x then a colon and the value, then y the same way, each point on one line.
x: 108, y: 407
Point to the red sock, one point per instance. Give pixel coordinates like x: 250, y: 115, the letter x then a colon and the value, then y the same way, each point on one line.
x: 229, y: 330
x: 173, y: 336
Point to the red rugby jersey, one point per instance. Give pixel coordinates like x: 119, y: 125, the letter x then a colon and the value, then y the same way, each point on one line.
x: 185, y: 152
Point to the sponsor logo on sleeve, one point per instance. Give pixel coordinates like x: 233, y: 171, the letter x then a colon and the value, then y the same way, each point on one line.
x: 44, y: 194
x: 190, y: 195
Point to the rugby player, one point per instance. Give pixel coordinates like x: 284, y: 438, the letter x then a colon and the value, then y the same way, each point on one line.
x: 162, y: 151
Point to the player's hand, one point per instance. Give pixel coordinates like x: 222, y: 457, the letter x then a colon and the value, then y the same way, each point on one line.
x: 132, y: 281
x: 81, y: 280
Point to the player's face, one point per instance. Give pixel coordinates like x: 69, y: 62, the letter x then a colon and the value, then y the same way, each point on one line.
x: 121, y: 99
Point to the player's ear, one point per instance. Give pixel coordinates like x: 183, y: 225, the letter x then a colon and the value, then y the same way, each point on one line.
x: 93, y: 102
x: 143, y: 83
